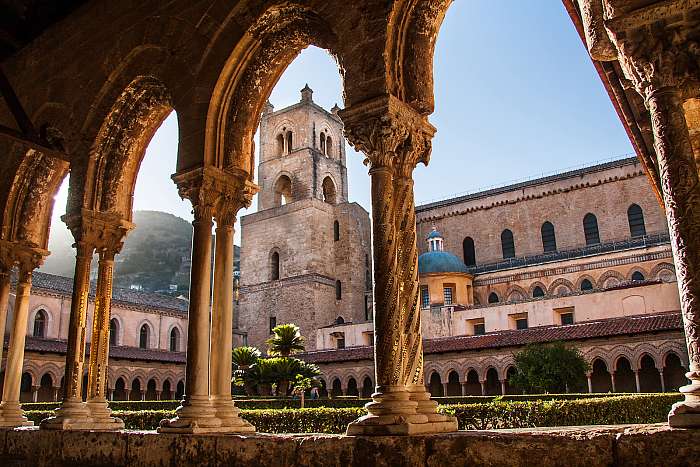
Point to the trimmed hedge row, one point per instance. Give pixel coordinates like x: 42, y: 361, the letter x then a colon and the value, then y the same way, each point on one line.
x: 286, y: 403
x: 493, y: 415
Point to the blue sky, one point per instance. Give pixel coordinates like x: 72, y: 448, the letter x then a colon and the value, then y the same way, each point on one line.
x: 516, y: 96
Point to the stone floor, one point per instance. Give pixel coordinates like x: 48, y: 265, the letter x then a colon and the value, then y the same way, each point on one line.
x: 631, y: 445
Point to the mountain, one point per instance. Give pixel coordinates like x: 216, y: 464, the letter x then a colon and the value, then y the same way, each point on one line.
x: 155, y: 257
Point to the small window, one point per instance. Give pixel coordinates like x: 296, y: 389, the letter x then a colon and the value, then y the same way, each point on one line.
x: 280, y: 145
x: 507, y: 244
x: 273, y: 323
x: 329, y: 146
x: 40, y: 324
x: 567, y: 318
x: 275, y: 266
x: 174, y: 340
x: 322, y: 141
x: 493, y: 298
x: 447, y: 295
x: 635, y: 218
x: 338, y: 290
x: 368, y: 308
x: 424, y: 296
x: 521, y: 323
x: 479, y: 329
x: 637, y: 276
x: 590, y: 229
x: 336, y: 231
x: 549, y: 240
x: 143, y: 337
x: 537, y: 292
x: 290, y: 142
x: 340, y: 342
x: 113, y: 331
x: 586, y: 285
x: 469, y: 252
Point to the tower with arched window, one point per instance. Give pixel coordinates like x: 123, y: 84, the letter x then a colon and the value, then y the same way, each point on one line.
x: 305, y: 255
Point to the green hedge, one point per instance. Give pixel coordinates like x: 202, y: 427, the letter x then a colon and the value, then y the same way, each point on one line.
x: 497, y: 414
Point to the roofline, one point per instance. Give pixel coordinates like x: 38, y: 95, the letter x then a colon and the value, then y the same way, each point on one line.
x: 529, y: 183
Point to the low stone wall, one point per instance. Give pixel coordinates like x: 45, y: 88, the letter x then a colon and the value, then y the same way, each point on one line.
x: 633, y: 445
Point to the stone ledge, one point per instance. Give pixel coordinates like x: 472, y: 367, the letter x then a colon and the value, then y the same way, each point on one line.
x: 638, y: 445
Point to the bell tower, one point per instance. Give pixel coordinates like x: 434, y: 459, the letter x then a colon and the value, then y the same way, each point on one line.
x: 302, y: 154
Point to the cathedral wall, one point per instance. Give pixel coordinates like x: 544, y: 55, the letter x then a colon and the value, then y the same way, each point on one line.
x: 563, y: 202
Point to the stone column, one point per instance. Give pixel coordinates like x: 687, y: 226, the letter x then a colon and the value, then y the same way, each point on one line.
x: 4, y: 301
x: 612, y: 381
x: 503, y: 387
x: 157, y: 395
x: 483, y: 387
x: 143, y: 395
x: 55, y: 393
x: 464, y: 389
x: 663, y: 383
x: 393, y: 137
x: 35, y: 393
x: 240, y: 195
x: 444, y: 389
x: 589, y: 378
x: 636, y: 380
x: 127, y: 392
x: 99, y: 345
x: 659, y: 63
x: 73, y: 412
x: 11, y: 413
x: 111, y: 394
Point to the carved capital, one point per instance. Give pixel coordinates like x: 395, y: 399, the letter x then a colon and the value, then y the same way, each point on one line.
x: 100, y: 231
x: 390, y: 133
x: 26, y: 256
x: 216, y: 192
x: 659, y: 46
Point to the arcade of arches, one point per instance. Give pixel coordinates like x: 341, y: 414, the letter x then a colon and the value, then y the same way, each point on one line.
x: 92, y: 114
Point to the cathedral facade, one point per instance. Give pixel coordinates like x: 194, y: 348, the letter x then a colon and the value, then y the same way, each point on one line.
x: 305, y: 254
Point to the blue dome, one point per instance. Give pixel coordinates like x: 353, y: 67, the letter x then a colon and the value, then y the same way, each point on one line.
x: 434, y: 234
x: 439, y: 261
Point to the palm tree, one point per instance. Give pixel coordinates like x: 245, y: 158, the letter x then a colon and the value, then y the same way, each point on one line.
x: 286, y: 340
x: 261, y: 375
x: 285, y: 370
x: 243, y: 358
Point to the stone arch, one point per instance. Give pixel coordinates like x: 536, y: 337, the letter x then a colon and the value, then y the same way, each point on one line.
x: 638, y: 269
x: 151, y: 333
x: 516, y: 294
x: 557, y: 285
x: 283, y: 189
x: 646, y: 349
x: 487, y: 365
x: 274, y: 38
x: 677, y: 347
x: 180, y: 337
x: 120, y: 328
x: 48, y: 323
x: 449, y: 367
x: 534, y: 285
x: 329, y: 190
x: 435, y: 384
x: 598, y: 354
x: 610, y: 279
x: 582, y: 278
x: 620, y: 351
x: 119, y: 147
x: 663, y: 271
x: 52, y: 370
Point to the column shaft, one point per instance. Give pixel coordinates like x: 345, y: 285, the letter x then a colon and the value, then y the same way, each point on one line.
x: 11, y: 413
x: 4, y: 302
x: 636, y: 380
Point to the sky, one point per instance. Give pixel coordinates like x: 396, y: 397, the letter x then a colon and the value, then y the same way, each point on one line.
x: 516, y: 97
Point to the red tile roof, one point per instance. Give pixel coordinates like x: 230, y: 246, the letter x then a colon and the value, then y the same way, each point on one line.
x: 580, y: 331
x: 34, y: 344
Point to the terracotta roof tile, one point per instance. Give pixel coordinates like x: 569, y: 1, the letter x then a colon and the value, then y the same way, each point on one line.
x: 586, y: 330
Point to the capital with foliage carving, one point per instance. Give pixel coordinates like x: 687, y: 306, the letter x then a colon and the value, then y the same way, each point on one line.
x: 104, y: 232
x: 390, y: 133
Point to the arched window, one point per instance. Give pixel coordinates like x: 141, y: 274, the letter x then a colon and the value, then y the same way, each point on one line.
x: 637, y: 276
x: 549, y: 240
x: 113, y: 331
x: 275, y: 266
x: 336, y: 231
x: 323, y: 142
x: 283, y: 191
x: 329, y: 146
x: 590, y: 229
x: 338, y: 290
x: 493, y: 298
x: 329, y: 193
x: 635, y: 217
x: 468, y: 250
x: 143, y: 336
x: 174, y: 340
x: 40, y: 324
x: 290, y: 142
x: 537, y: 292
x: 279, y: 150
x: 507, y: 244
x: 586, y: 285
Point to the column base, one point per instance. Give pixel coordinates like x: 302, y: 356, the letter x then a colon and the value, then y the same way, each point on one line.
x: 12, y: 416
x: 195, y: 415
x: 230, y: 416
x: 390, y: 413
x: 101, y: 414
x: 686, y: 413
x: 428, y: 407
x: 71, y: 415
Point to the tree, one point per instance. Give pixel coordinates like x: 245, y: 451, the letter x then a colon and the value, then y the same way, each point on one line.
x: 550, y: 368
x: 301, y: 385
x: 285, y: 341
x: 243, y: 358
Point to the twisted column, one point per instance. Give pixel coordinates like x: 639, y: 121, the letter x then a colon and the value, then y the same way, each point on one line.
x: 395, y: 138
x: 222, y: 311
x: 4, y: 302
x: 11, y: 413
